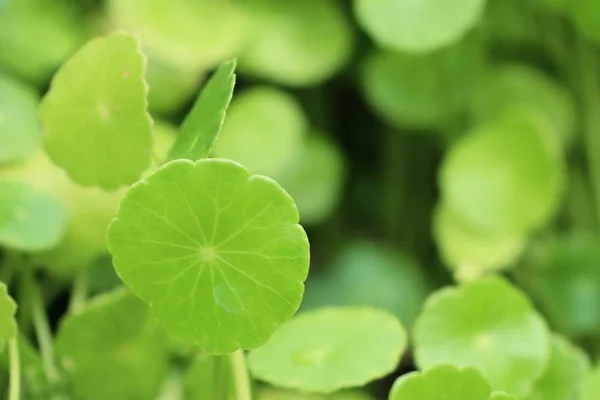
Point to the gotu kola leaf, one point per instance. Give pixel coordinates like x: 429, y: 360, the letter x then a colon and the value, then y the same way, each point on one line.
x: 329, y: 349
x: 417, y: 26
x: 217, y: 252
x: 8, y: 307
x: 94, y: 115
x: 443, y: 382
x: 488, y: 325
x: 201, y: 127
x: 110, y: 349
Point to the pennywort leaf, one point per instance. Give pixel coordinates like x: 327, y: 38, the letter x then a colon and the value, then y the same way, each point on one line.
x: 201, y: 127
x: 217, y: 252
x: 488, y: 325
x: 325, y: 350
x: 94, y: 115
x: 443, y: 382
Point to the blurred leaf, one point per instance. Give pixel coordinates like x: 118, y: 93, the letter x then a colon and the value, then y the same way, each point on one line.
x: 190, y: 34
x: 30, y: 220
x: 366, y: 274
x: 585, y: 14
x: 19, y: 131
x: 263, y: 130
x: 315, y: 179
x: 505, y: 178
x: 296, y: 43
x: 442, y: 382
x: 94, y: 115
x: 510, y: 21
x: 217, y: 253
x: 563, y: 278
x: 418, y: 27
x: 561, y: 381
x: 199, y: 381
x: 469, y: 253
x: 278, y: 394
x: 501, y: 396
x: 325, y: 350
x: 590, y: 387
x: 489, y: 325
x: 421, y: 90
x: 110, y: 349
x: 202, y: 125
x: 512, y: 84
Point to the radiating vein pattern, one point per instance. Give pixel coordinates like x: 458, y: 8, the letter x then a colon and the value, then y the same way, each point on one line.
x: 217, y: 253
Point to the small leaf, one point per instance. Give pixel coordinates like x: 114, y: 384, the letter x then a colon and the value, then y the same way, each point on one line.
x: 30, y: 219
x: 202, y: 125
x: 8, y: 307
x: 217, y: 253
x: 296, y: 43
x: 442, y: 382
x: 419, y: 27
x: 110, y: 349
x: 263, y: 131
x: 488, y: 325
x: 561, y: 381
x: 19, y: 131
x: 94, y: 115
x: 326, y: 350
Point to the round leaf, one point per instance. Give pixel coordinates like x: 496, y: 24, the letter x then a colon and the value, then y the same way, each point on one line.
x: 326, y: 350
x: 263, y: 130
x: 417, y: 26
x: 315, y: 179
x: 561, y: 381
x: 505, y: 178
x: 94, y: 115
x: 110, y: 349
x: 30, y: 220
x: 442, y: 382
x: 19, y: 131
x: 470, y: 253
x: 8, y: 307
x: 296, y: 42
x: 191, y: 34
x: 217, y: 253
x: 488, y: 325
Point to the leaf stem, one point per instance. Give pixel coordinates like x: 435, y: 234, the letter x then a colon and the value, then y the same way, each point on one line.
x: 79, y: 291
x: 241, y: 382
x: 42, y: 329
x: 220, y: 378
x: 15, y: 370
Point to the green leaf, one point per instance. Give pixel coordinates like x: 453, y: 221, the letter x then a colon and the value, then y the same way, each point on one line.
x: 30, y: 220
x: 421, y: 90
x: 468, y: 252
x: 8, y: 307
x: 199, y: 380
x: 110, y: 349
x: 505, y: 178
x: 561, y: 274
x: 191, y: 34
x: 19, y: 132
x: 590, y: 387
x: 325, y: 350
x: 394, y: 281
x: 585, y: 14
x: 501, y: 396
x: 263, y: 131
x: 94, y: 115
x: 217, y: 252
x: 315, y: 179
x: 442, y: 382
x: 513, y: 84
x: 561, y: 381
x: 488, y: 325
x: 296, y: 43
x: 202, y: 125
x: 418, y: 27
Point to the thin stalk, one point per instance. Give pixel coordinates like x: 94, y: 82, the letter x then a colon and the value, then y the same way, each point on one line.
x: 79, y: 291
x: 241, y: 381
x: 42, y: 329
x: 15, y: 370
x: 220, y: 376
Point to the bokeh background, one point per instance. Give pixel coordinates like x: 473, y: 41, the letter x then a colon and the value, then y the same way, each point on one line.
x: 419, y: 151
